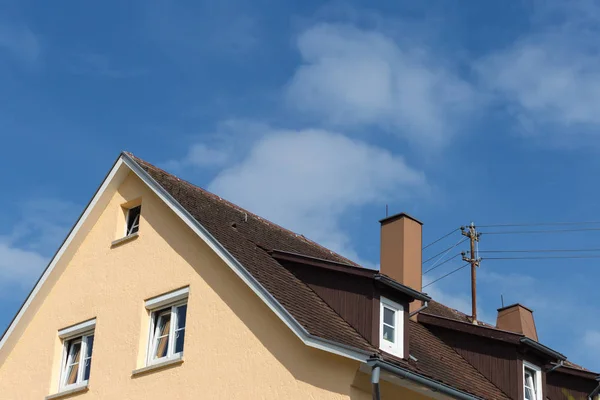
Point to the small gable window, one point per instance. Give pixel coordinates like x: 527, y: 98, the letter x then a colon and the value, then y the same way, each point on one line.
x: 78, y: 343
x: 133, y: 220
x: 532, y: 382
x: 391, y: 327
x: 167, y: 326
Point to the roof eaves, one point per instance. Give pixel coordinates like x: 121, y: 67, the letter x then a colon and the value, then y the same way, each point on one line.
x: 543, y: 349
x: 410, y: 292
x: 320, y: 262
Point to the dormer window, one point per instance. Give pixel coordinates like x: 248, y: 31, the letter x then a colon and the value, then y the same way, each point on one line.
x: 532, y: 382
x: 133, y: 220
x: 391, y: 327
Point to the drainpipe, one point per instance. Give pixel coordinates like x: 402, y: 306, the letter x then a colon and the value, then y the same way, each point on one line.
x: 556, y: 366
x: 424, y: 306
x: 375, y: 382
x: 595, y: 391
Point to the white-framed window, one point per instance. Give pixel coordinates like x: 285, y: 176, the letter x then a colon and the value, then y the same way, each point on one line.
x: 133, y: 220
x: 532, y: 382
x: 391, y: 327
x: 167, y: 326
x: 76, y: 364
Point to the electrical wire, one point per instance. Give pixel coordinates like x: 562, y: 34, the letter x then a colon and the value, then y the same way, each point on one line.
x: 539, y: 251
x: 444, y: 262
x: 540, y: 231
x: 540, y: 224
x: 539, y: 257
x: 443, y: 237
x: 448, y: 274
x: 445, y: 250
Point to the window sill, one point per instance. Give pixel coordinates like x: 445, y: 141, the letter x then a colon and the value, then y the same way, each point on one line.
x: 169, y: 362
x: 68, y: 392
x: 125, y: 239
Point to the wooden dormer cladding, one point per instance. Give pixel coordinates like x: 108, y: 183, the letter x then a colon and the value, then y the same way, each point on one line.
x: 354, y: 293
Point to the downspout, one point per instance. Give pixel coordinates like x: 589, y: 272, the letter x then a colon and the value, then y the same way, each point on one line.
x: 556, y: 366
x: 424, y: 306
x: 375, y: 382
x: 595, y: 391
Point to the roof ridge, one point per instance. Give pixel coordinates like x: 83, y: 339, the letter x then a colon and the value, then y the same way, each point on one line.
x: 241, y: 209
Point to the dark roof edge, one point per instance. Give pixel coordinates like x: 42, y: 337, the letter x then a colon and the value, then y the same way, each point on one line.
x: 389, y: 282
x: 513, y: 305
x: 322, y: 263
x: 567, y: 369
x: 479, y: 330
x: 428, y: 382
x: 543, y: 349
x: 397, y: 216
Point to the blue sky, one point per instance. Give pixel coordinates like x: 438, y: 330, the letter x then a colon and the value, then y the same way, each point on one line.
x: 316, y: 115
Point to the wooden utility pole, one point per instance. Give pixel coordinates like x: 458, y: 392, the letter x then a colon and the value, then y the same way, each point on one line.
x: 473, y: 235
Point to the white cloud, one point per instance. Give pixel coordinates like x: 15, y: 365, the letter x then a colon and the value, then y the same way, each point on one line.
x: 26, y: 248
x: 550, y: 77
x: 309, y: 180
x: 356, y: 77
x: 19, y: 41
x: 591, y: 340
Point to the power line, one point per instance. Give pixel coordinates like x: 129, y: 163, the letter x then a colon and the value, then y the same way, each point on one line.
x: 540, y: 257
x: 444, y: 262
x: 445, y: 250
x: 448, y: 274
x: 540, y: 231
x: 539, y: 251
x: 443, y: 237
x: 541, y: 224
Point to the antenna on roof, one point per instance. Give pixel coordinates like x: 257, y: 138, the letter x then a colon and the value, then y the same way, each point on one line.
x: 502, y: 300
x: 386, y: 210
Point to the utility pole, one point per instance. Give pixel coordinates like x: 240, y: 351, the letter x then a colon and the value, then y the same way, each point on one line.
x: 473, y: 235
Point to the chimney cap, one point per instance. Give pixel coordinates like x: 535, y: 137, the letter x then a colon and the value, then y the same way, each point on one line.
x: 398, y: 216
x: 515, y: 305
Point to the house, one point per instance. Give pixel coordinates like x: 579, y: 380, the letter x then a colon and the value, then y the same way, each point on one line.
x: 164, y: 290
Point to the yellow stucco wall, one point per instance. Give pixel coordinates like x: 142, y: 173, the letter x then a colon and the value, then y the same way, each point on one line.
x: 235, y: 347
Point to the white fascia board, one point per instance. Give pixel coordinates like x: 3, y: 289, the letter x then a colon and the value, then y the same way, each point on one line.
x: 239, y: 270
x: 119, y: 164
x: 167, y: 298
x: 77, y: 330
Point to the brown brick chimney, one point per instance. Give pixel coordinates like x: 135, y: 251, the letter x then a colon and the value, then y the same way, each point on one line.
x: 517, y: 318
x: 401, y: 256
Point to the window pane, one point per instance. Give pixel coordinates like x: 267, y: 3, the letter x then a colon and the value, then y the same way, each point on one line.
x: 87, y: 363
x: 179, y: 338
x: 72, y: 367
x: 161, y: 335
x: 388, y: 316
x: 529, y: 394
x: 133, y: 219
x: 388, y: 333
x: 181, y: 311
x: 90, y: 345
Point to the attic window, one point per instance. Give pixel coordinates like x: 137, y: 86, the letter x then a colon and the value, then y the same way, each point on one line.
x: 133, y: 220
x: 532, y: 382
x: 78, y: 342
x: 391, y: 327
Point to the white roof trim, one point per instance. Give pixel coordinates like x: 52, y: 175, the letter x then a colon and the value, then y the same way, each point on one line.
x: 238, y: 269
x: 105, y: 184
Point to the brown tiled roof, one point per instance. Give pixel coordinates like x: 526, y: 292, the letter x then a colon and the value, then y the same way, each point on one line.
x: 249, y: 238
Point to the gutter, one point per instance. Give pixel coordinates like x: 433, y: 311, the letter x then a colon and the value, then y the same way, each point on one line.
x: 595, y: 391
x: 415, y: 294
x: 378, y: 364
x: 544, y: 349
